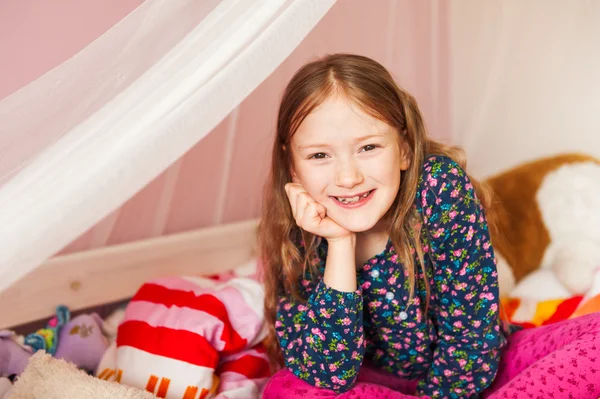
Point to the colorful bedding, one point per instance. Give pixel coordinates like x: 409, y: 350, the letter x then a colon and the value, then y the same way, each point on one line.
x: 529, y: 312
x: 190, y: 337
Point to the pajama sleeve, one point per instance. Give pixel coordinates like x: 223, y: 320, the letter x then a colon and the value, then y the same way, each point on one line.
x: 465, y: 285
x: 322, y: 339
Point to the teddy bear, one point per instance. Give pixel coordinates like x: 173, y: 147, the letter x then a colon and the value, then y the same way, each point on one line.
x: 547, y: 242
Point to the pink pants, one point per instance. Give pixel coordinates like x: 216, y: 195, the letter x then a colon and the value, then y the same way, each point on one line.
x: 561, y: 360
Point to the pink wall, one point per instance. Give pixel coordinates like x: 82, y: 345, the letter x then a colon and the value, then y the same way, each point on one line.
x: 37, y: 35
x: 205, y: 187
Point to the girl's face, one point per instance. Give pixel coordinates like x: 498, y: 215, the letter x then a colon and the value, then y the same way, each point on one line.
x: 350, y: 162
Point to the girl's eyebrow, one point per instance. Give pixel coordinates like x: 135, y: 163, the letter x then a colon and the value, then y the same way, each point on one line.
x: 370, y: 136
x: 309, y: 146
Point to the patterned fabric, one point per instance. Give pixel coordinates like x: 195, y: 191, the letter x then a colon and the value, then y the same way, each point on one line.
x: 285, y: 385
x: 186, y: 337
x: 531, y: 312
x: 453, y: 350
x: 558, y: 361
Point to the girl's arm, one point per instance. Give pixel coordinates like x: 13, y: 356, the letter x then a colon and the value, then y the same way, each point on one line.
x: 465, y: 285
x: 322, y: 340
x: 340, y: 268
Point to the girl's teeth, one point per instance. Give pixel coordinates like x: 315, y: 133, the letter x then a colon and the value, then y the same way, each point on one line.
x: 353, y: 199
x: 348, y: 200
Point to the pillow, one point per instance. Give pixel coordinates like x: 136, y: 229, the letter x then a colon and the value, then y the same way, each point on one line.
x: 184, y: 336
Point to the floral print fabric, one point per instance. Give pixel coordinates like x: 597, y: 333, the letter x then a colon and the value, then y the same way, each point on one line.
x: 453, y: 349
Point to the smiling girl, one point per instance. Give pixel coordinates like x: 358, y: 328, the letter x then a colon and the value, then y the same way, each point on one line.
x: 379, y: 268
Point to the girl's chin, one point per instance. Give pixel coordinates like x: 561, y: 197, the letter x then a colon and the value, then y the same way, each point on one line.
x: 360, y: 225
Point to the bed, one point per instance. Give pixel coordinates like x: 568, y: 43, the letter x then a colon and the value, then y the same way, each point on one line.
x: 85, y: 282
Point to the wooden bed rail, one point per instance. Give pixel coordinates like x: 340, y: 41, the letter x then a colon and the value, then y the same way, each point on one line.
x: 90, y: 278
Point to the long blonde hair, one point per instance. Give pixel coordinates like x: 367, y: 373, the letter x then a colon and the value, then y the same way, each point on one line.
x: 369, y: 85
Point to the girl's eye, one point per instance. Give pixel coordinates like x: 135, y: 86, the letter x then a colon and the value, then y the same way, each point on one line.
x: 318, y: 155
x: 369, y: 147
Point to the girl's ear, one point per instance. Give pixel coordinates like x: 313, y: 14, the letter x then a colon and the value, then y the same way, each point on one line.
x: 295, y: 177
x: 405, y: 158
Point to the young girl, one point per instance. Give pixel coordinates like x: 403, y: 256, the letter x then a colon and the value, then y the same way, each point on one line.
x: 379, y: 269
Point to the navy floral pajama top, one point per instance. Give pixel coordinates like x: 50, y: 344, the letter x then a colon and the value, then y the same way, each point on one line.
x: 453, y: 350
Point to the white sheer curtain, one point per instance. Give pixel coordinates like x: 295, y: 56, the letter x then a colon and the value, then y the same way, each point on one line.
x: 85, y: 137
x: 232, y: 162
x: 525, y: 79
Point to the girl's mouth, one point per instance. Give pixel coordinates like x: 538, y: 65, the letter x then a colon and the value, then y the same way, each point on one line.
x: 354, y: 201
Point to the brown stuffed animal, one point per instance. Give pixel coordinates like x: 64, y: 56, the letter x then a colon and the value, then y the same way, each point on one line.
x: 548, y: 215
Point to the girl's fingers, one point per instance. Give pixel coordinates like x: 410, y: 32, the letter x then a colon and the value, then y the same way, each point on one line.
x: 321, y: 210
x: 312, y: 218
x: 293, y: 192
x: 291, y: 196
x: 302, y: 203
x: 310, y: 215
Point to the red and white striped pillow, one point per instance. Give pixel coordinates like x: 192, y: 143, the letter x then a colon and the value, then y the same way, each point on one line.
x: 188, y: 337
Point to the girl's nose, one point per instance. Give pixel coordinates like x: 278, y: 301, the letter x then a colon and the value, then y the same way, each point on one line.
x: 348, y: 175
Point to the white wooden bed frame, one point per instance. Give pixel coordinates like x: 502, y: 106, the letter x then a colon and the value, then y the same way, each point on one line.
x: 91, y: 278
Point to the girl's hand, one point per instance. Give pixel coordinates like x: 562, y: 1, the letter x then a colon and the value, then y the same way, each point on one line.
x: 312, y: 216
